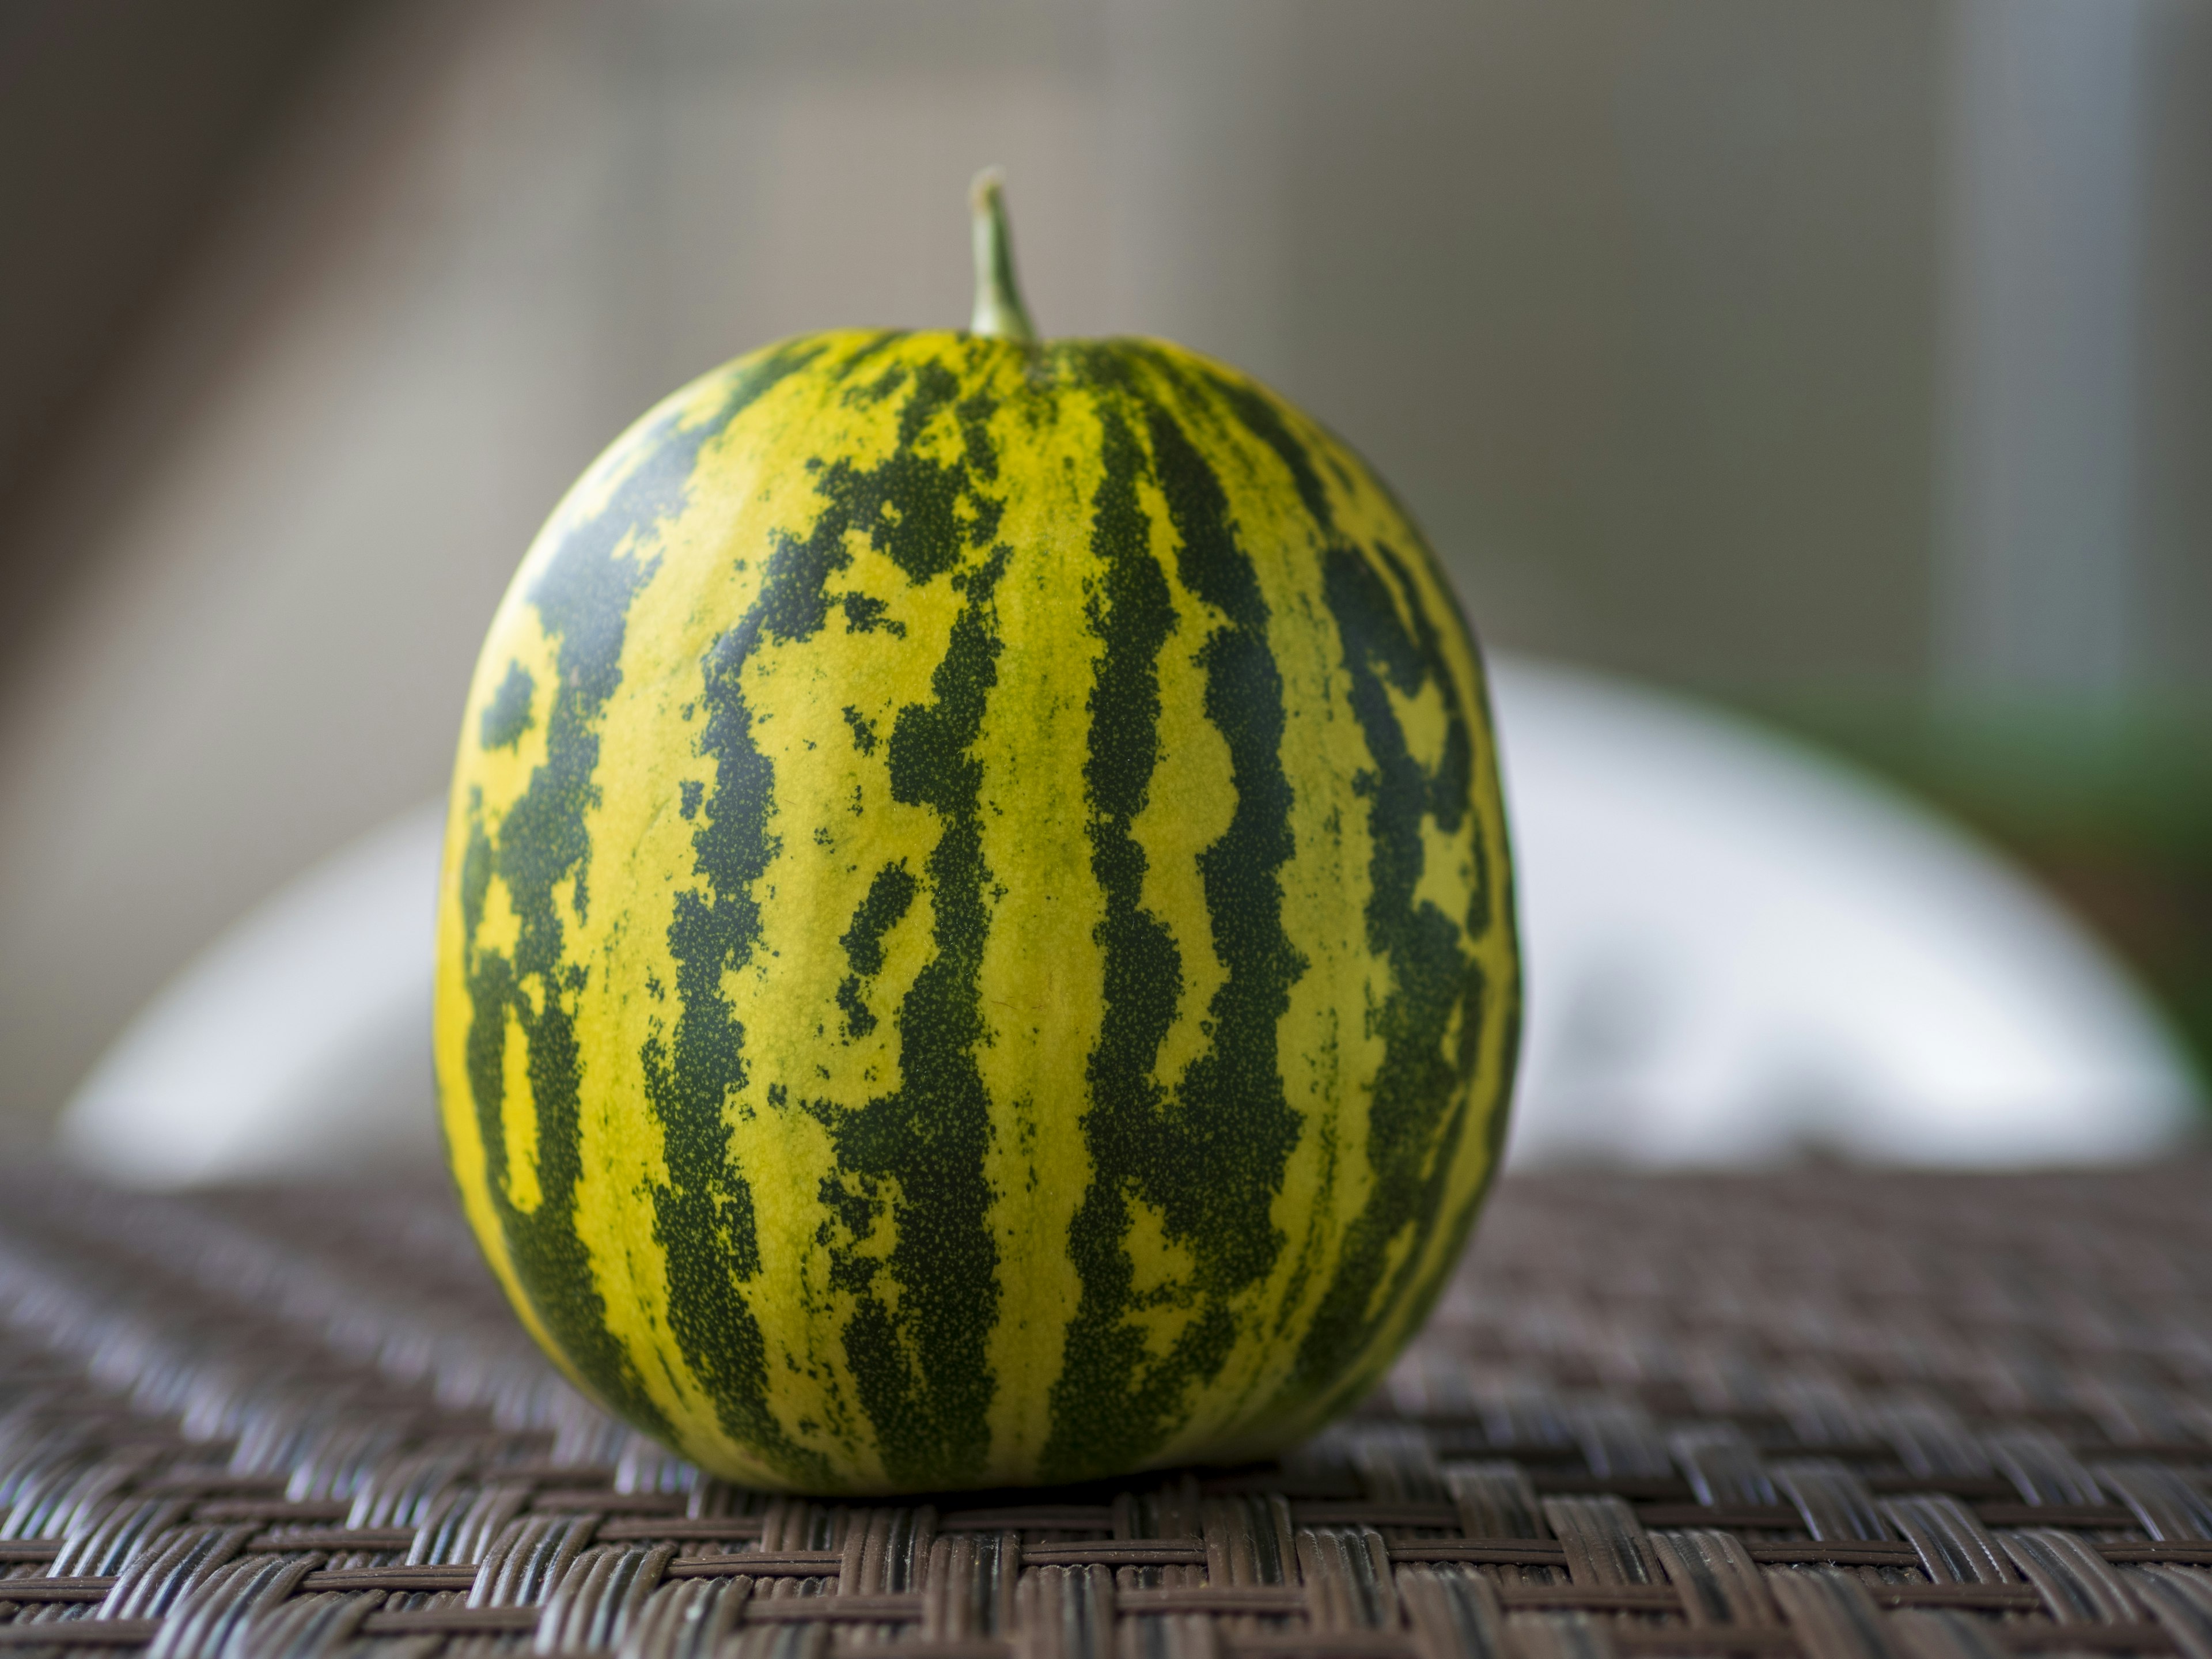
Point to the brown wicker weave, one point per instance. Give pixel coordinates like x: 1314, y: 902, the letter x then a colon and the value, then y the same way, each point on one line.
x: 1848, y: 1415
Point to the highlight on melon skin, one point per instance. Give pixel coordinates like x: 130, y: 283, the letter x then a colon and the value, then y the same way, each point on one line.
x: 976, y: 939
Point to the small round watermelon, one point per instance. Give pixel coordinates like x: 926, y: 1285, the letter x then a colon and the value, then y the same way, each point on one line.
x: 976, y: 943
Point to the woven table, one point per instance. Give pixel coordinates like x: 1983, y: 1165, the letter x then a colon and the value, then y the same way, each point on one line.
x: 1842, y: 1414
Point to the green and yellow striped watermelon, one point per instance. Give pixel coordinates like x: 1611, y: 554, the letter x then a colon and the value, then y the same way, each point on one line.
x: 976, y: 942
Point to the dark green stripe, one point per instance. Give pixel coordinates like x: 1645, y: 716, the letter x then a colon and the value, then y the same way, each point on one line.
x: 1237, y: 1130
x: 1421, y: 1094
x: 885, y: 906
x: 885, y: 384
x: 1101, y: 1412
x: 507, y: 717
x: 583, y: 601
x: 908, y: 506
x: 922, y: 1368
x: 1490, y: 900
x: 1263, y: 417
x: 1210, y: 1159
x: 863, y: 732
x: 704, y: 1215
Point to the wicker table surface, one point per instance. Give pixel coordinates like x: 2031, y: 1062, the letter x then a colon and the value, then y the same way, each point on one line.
x: 1841, y: 1414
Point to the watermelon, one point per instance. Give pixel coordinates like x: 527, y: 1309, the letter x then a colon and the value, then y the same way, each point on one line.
x: 976, y: 942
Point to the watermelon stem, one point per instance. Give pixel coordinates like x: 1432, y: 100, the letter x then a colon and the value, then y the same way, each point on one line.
x: 1000, y: 313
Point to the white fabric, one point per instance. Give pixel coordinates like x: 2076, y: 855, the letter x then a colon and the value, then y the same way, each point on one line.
x: 298, y: 1043
x: 1738, y: 950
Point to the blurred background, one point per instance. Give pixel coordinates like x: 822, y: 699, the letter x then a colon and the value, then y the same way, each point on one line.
x: 1844, y: 369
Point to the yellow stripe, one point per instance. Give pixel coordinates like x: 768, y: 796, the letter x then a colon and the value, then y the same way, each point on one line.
x: 1041, y: 970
